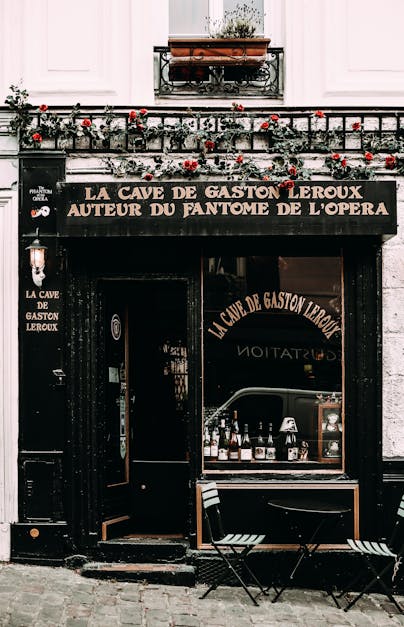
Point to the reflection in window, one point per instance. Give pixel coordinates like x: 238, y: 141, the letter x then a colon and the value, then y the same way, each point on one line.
x: 176, y: 364
x: 272, y: 348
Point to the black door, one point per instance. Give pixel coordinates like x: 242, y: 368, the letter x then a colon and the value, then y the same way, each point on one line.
x: 116, y: 439
x: 146, y: 463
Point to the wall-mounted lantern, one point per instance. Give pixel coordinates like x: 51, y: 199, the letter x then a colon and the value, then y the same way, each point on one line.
x: 37, y: 260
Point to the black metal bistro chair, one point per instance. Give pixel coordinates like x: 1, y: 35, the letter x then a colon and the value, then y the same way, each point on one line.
x: 233, y: 548
x: 368, y: 549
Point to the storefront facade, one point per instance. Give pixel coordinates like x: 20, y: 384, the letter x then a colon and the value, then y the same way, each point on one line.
x: 199, y: 276
x: 170, y: 309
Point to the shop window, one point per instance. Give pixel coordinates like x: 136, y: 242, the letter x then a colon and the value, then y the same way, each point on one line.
x: 272, y: 363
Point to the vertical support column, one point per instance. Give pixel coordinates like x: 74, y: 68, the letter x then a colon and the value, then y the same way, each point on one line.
x: 41, y: 532
x: 363, y: 380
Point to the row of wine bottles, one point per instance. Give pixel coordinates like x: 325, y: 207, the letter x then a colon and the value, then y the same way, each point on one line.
x: 227, y: 444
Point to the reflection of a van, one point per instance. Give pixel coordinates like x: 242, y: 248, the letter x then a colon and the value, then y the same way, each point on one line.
x: 270, y: 405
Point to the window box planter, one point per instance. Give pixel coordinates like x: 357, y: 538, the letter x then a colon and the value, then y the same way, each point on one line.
x: 202, y: 51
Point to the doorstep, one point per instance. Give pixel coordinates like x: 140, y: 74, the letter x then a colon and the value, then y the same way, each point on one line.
x: 163, y: 574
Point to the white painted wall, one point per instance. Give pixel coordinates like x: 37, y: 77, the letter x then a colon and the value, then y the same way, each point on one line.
x: 8, y: 337
x: 100, y: 52
x: 393, y: 337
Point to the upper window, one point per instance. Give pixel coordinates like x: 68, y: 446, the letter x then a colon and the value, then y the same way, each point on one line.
x: 192, y: 18
x: 188, y: 18
x: 272, y: 362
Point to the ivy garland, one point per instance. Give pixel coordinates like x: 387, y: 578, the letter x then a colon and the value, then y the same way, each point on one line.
x: 284, y: 140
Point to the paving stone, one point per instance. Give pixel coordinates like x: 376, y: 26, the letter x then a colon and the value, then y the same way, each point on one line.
x: 105, y: 599
x: 76, y: 622
x: 130, y: 595
x: 20, y: 619
x: 49, y: 613
x: 185, y: 620
x: 77, y: 611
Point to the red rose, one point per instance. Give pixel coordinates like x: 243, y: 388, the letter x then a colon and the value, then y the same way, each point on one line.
x: 237, y: 107
x: 319, y: 114
x: 287, y: 184
x: 240, y: 107
x: 37, y: 137
x: 274, y: 117
x: 265, y: 178
x: 148, y: 176
x: 292, y: 170
x: 336, y: 156
x: 356, y: 126
x: 343, y: 163
x: 140, y: 127
x: 86, y: 123
x: 190, y: 165
x: 209, y: 144
x: 391, y: 162
x: 43, y: 107
x: 239, y: 159
x: 265, y: 125
x: 143, y: 111
x: 368, y: 156
x: 132, y: 115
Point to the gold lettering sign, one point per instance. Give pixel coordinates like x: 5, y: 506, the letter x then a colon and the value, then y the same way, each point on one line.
x: 41, y: 319
x: 227, y: 208
x: 286, y: 301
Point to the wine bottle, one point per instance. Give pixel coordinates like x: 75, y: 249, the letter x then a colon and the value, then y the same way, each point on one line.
x: 214, y: 448
x: 290, y: 449
x: 246, y: 448
x: 223, y: 452
x: 234, y: 445
x: 270, y: 451
x: 236, y: 427
x: 206, y: 445
x: 259, y: 452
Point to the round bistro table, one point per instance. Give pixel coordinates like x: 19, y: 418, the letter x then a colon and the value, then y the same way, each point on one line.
x: 324, y: 513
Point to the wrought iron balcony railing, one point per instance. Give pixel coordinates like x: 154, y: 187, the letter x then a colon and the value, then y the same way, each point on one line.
x: 207, y: 81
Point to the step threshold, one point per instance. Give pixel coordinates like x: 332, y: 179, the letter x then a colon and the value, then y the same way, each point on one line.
x: 168, y: 574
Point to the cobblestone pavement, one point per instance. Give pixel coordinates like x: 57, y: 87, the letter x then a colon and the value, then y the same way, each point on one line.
x: 39, y: 596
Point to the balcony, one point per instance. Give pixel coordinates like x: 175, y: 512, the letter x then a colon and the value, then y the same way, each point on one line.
x: 216, y: 81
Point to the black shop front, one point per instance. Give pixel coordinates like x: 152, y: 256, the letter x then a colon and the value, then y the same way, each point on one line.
x: 170, y: 316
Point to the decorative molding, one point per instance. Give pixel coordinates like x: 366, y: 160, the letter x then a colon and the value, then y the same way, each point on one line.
x: 349, y: 68
x: 326, y: 54
x: 8, y: 368
x: 95, y: 69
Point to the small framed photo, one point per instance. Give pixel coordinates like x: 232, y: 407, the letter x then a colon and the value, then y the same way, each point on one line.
x: 329, y: 432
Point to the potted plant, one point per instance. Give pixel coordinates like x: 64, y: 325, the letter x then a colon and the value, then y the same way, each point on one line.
x: 232, y: 41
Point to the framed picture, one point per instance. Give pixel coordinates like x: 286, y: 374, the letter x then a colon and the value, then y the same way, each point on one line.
x: 329, y: 432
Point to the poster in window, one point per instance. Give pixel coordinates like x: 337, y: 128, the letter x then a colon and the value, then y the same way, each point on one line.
x: 329, y: 432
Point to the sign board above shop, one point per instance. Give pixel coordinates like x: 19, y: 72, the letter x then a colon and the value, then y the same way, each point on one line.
x: 212, y: 208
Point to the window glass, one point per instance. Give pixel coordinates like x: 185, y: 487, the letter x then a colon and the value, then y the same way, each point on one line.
x: 256, y: 6
x: 192, y: 18
x: 272, y: 354
x: 188, y: 18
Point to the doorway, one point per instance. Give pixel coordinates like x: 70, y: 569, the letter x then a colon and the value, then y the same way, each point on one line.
x: 145, y: 440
